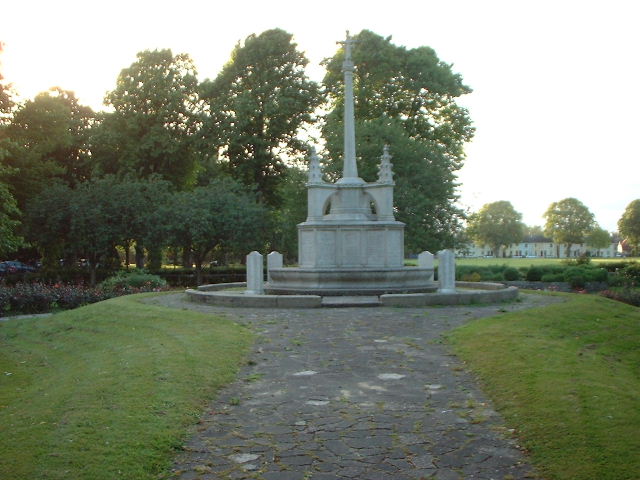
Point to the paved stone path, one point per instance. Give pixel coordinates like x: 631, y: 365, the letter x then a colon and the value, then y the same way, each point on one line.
x: 352, y: 393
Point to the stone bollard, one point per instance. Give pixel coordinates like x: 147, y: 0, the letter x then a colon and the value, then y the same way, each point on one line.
x: 446, y: 271
x: 425, y: 260
x: 274, y: 260
x: 255, y: 274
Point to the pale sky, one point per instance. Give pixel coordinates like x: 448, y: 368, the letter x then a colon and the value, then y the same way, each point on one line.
x: 556, y: 99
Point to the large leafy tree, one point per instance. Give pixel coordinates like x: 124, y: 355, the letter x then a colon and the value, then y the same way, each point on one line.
x: 154, y: 126
x: 496, y: 224
x: 568, y: 222
x: 47, y: 222
x: 76, y: 223
x: 9, y: 213
x: 598, y: 238
x: 407, y: 99
x: 49, y: 139
x: 257, y: 106
x: 629, y: 225
x: 222, y: 215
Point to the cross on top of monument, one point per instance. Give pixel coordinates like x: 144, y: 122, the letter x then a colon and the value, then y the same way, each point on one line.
x: 348, y: 43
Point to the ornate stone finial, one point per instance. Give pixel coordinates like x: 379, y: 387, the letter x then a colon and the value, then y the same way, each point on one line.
x: 315, y: 171
x: 385, y: 173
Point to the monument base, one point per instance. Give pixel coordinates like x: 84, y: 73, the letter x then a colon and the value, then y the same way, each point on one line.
x: 349, y: 281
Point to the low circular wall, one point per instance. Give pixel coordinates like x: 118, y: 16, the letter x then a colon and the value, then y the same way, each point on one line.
x: 467, y: 293
x: 349, y: 281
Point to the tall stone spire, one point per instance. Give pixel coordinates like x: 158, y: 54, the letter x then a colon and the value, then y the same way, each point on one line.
x: 349, y: 169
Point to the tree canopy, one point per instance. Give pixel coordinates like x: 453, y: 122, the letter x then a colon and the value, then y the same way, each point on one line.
x: 405, y: 98
x: 10, y: 240
x: 222, y: 215
x: 629, y: 225
x: 598, y: 238
x: 48, y: 139
x: 257, y: 106
x: 155, y: 123
x: 496, y: 224
x: 568, y: 222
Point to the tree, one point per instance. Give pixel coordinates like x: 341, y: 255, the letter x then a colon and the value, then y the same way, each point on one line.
x: 533, y: 231
x: 407, y: 99
x: 257, y: 106
x: 136, y: 204
x: 598, y: 238
x: 629, y: 225
x: 292, y: 211
x: 568, y: 222
x: 154, y: 126
x: 223, y: 215
x: 49, y: 136
x: 6, y: 93
x: 496, y: 224
x: 9, y: 212
x: 10, y: 241
x: 93, y: 233
x: 47, y: 222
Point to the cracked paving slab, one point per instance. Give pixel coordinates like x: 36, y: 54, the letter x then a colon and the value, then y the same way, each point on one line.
x: 352, y: 393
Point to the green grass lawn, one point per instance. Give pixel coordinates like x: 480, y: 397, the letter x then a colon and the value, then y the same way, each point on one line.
x: 567, y: 378
x: 107, y: 391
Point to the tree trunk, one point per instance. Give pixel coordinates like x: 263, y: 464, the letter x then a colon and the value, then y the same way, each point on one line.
x: 139, y: 256
x: 186, y: 257
x: 154, y: 258
x: 92, y: 274
x: 198, y: 274
x: 127, y: 254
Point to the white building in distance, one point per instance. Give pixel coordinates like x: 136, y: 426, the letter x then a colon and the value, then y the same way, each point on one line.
x: 538, y: 246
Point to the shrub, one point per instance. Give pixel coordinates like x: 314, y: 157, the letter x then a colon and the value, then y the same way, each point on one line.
x: 133, y: 282
x: 31, y: 298
x: 74, y: 296
x: 553, y: 277
x: 471, y: 277
x: 28, y: 298
x: 575, y: 276
x: 511, y: 274
x: 597, y: 274
x: 617, y: 266
x: 581, y: 260
x: 630, y: 275
x: 534, y: 274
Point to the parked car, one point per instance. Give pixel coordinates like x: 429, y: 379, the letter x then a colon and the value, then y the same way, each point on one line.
x: 14, y: 266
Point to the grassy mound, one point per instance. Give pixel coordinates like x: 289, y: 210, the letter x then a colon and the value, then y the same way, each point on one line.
x: 108, y: 390
x: 567, y: 378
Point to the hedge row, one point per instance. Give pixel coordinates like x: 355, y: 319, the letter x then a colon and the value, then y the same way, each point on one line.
x: 577, y: 275
x: 178, y: 277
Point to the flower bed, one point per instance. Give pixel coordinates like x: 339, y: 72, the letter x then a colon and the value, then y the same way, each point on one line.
x: 28, y: 298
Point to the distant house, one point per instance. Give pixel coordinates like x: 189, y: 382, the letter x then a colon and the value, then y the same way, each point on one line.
x: 538, y: 246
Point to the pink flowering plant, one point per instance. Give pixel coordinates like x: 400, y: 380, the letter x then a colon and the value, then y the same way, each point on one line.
x: 32, y: 298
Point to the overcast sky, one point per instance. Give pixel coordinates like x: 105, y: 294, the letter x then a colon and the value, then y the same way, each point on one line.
x: 556, y: 97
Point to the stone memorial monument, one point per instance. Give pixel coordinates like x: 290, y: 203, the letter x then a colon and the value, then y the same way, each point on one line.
x: 350, y: 243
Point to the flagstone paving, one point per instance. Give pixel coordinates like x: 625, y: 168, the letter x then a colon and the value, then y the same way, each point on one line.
x: 352, y: 393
